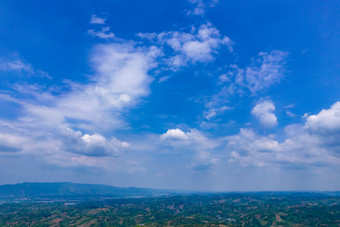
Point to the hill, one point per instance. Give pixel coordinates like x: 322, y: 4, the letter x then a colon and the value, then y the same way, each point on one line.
x: 67, y: 190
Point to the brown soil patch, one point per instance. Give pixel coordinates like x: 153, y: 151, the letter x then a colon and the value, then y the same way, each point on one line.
x: 96, y: 211
x: 88, y: 224
x: 57, y: 220
x: 278, y: 218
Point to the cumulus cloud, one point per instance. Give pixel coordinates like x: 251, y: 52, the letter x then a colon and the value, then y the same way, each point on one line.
x: 250, y: 149
x: 194, y: 140
x: 174, y: 134
x: 92, y: 145
x: 326, y: 127
x: 314, y: 143
x: 264, y: 113
x: 326, y: 122
x: 47, y: 119
x: 73, y: 122
x: 121, y: 79
x: 302, y: 150
x: 97, y: 20
x: 200, y: 45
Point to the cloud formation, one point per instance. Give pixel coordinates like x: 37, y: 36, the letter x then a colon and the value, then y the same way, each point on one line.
x: 203, y: 158
x: 19, y: 67
x: 92, y: 145
x: 105, y: 33
x: 325, y: 126
x: 327, y: 122
x: 265, y: 71
x: 263, y: 111
x: 97, y: 20
x: 75, y: 121
x: 16, y: 65
x: 213, y: 111
x: 198, y: 46
x: 11, y: 143
x: 174, y: 134
x: 200, y: 6
x: 80, y: 124
x: 47, y: 120
x: 313, y: 144
x: 262, y: 73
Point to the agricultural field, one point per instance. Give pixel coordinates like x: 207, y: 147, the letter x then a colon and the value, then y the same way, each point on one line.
x: 231, y: 209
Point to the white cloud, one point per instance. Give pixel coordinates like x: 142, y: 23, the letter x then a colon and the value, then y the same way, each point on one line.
x: 264, y: 112
x: 103, y: 34
x: 97, y: 20
x: 212, y: 112
x: 300, y: 150
x: 46, y: 119
x: 15, y: 65
x: 18, y: 66
x: 290, y: 106
x: 314, y: 143
x: 326, y: 122
x: 250, y: 149
x: 263, y: 72
x: 11, y: 143
x: 91, y: 145
x: 203, y: 160
x: 163, y: 79
x: 121, y: 79
x: 325, y: 126
x: 200, y: 45
x: 290, y: 114
x: 194, y: 140
x: 174, y: 134
x: 200, y: 6
x: 224, y: 78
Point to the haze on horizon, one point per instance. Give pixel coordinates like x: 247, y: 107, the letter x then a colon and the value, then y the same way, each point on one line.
x: 177, y: 94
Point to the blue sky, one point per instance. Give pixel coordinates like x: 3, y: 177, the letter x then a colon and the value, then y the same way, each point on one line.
x: 181, y: 94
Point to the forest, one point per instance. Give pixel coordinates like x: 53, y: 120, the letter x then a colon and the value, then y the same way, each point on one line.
x: 226, y: 209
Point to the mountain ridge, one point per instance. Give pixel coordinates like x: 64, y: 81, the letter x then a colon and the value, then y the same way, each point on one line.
x: 36, y: 190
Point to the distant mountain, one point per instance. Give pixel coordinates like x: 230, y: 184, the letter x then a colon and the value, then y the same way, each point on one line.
x: 67, y: 190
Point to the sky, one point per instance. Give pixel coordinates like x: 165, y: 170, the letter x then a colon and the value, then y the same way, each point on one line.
x: 206, y: 95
